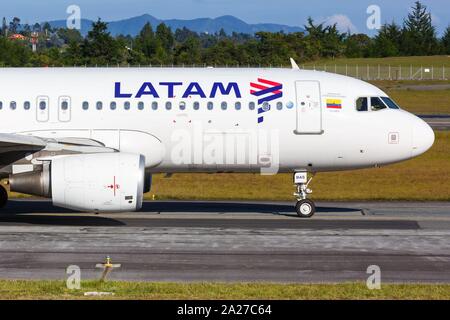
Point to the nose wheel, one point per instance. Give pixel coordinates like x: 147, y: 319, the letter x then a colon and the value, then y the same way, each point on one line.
x: 305, y: 208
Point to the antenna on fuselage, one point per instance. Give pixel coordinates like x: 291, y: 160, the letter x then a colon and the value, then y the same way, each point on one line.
x: 294, y: 64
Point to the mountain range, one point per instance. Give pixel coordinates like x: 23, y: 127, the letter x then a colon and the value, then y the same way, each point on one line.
x: 132, y: 26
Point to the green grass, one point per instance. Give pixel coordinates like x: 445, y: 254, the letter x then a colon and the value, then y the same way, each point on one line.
x: 424, y: 178
x: 147, y: 290
x: 425, y: 61
x: 422, y: 102
x: 418, y: 101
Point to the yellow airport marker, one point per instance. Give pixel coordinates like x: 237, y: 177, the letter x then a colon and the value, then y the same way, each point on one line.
x: 107, y: 267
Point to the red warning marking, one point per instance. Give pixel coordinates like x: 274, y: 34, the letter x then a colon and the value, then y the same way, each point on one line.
x: 114, y: 186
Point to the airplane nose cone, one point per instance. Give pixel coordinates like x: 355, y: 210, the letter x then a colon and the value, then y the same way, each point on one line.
x: 423, y: 138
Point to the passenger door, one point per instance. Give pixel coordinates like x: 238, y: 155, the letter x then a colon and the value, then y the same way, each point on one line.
x: 309, y: 107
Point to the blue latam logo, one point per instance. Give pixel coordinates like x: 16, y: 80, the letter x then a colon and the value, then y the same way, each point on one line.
x: 171, y: 88
x: 266, y: 91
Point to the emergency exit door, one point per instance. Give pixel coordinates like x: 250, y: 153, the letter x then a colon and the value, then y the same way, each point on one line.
x: 309, y: 107
x: 64, y: 108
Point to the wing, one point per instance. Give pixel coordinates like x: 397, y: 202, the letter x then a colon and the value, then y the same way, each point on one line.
x: 14, y: 147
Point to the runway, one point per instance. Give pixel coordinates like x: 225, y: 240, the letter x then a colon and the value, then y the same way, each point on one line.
x: 437, y: 122
x: 231, y: 241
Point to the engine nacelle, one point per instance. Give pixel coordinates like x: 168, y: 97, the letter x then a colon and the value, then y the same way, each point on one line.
x: 102, y: 182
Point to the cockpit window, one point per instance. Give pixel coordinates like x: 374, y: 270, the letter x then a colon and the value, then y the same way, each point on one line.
x: 361, y: 104
x: 376, y: 104
x: 390, y: 103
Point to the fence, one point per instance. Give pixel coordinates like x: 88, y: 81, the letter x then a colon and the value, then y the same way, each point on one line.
x: 383, y: 72
x: 363, y: 72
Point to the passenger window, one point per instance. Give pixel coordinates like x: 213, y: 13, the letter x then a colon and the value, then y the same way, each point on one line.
x: 210, y: 105
x: 168, y: 105
x: 113, y: 105
x: 85, y: 105
x: 182, y: 105
x: 223, y: 105
x: 155, y: 105
x: 127, y: 105
x: 1, y: 105
x: 390, y: 103
x: 376, y: 104
x: 99, y: 105
x: 42, y: 105
x: 27, y: 105
x: 279, y: 105
x: 361, y: 104
x: 140, y: 105
x: 251, y: 106
x: 237, y: 106
x: 196, y: 105
x: 13, y: 105
x: 64, y: 105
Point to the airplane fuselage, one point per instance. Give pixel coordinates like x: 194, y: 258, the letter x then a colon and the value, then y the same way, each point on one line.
x: 214, y: 120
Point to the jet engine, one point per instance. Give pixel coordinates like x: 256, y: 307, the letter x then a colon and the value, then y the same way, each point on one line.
x: 106, y: 182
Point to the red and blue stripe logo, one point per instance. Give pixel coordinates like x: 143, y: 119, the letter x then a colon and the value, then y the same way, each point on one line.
x: 266, y: 91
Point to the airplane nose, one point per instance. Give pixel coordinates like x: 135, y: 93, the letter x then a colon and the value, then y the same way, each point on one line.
x: 422, y: 139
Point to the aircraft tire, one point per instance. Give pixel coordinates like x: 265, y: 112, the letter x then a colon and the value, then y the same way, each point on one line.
x: 305, y: 208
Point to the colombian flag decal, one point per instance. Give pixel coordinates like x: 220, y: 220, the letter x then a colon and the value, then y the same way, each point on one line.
x: 334, y: 104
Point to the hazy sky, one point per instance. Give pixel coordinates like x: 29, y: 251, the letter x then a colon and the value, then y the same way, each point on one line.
x: 348, y: 13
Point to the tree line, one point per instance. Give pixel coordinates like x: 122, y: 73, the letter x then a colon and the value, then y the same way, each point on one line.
x: 417, y: 36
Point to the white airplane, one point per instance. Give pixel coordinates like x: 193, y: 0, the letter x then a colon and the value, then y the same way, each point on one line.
x: 90, y: 138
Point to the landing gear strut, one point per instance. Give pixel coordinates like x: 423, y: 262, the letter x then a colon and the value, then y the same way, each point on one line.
x: 3, y: 197
x: 305, y: 208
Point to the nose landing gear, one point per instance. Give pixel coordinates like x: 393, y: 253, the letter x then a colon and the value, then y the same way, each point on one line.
x: 305, y: 208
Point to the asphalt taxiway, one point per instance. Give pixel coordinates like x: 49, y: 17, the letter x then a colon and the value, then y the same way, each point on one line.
x: 438, y: 122
x: 230, y: 241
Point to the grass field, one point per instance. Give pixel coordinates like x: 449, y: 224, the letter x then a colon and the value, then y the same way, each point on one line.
x: 424, y: 178
x: 422, y: 102
x: 241, y: 291
x: 437, y: 61
x: 418, y: 101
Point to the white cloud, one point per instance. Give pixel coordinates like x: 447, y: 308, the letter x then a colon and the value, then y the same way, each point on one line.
x: 343, y: 23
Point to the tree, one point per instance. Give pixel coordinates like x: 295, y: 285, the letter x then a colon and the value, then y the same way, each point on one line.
x: 419, y: 34
x: 36, y: 27
x: 146, y: 41
x: 188, y: 52
x: 445, y: 41
x: 323, y: 41
x: 181, y: 35
x: 358, y: 46
x: 388, y: 41
x: 4, y: 27
x: 13, y: 54
x: 14, y: 25
x: 332, y: 42
x: 70, y: 35
x: 47, y: 28
x: 73, y: 55
x: 166, y: 40
x: 99, y: 47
